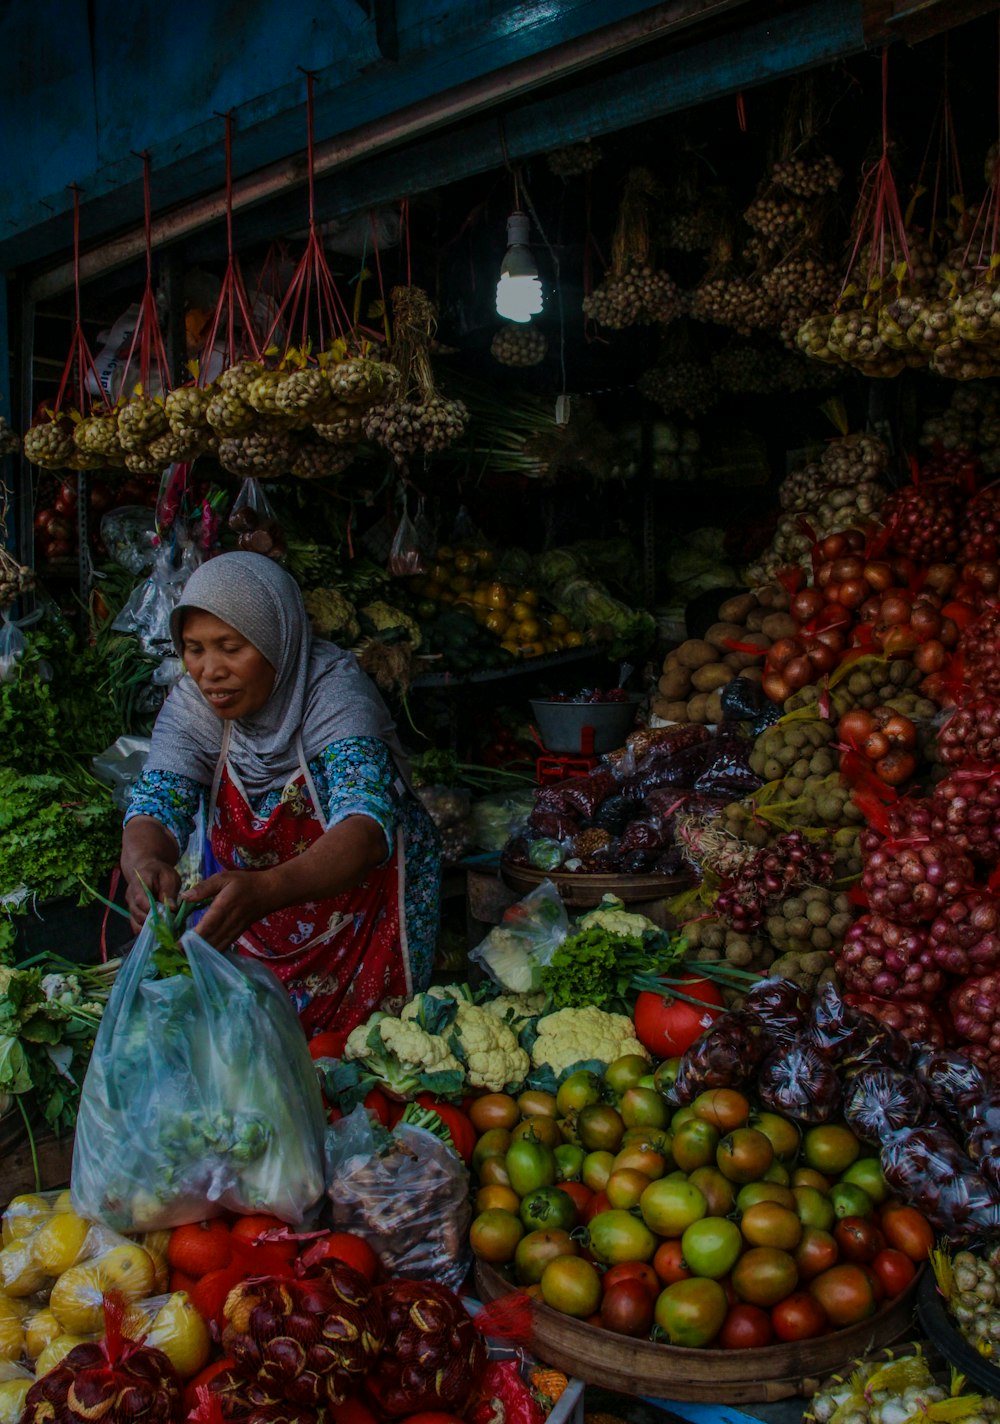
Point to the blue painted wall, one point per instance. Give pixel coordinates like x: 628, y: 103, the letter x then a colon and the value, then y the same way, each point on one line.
x: 79, y: 102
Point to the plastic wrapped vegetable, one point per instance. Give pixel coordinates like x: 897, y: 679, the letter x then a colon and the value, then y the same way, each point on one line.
x: 834, y: 1028
x: 405, y: 1192
x: 434, y: 1357
x: 926, y: 1166
x: 982, y: 1124
x: 882, y: 1100
x: 309, y: 1342
x: 200, y: 1096
x: 514, y: 952
x: 796, y: 1082
x: 725, y: 1056
x: 953, y: 1082
x: 780, y: 1006
x: 726, y: 770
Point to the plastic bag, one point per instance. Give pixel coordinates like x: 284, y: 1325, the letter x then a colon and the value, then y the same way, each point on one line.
x: 744, y: 701
x: 13, y: 643
x: 514, y: 952
x: 881, y: 1100
x: 926, y: 1166
x: 200, y: 1097
x: 406, y: 556
x: 781, y: 1007
x: 725, y: 1056
x: 726, y: 769
x: 129, y: 535
x: 835, y: 1029
x: 451, y: 811
x: 253, y: 520
x: 581, y: 795
x: 796, y: 1082
x: 147, y: 612
x: 405, y: 1192
x: 120, y: 766
x: 47, y: 1242
x: 496, y: 818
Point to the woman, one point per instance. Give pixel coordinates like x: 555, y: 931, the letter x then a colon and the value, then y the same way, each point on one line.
x: 318, y: 857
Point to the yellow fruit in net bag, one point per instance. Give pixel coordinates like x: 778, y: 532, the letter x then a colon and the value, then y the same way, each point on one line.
x: 156, y: 1243
x: 64, y: 1201
x: 58, y: 1242
x: 181, y: 1333
x: 76, y: 1300
x: 18, y: 1273
x: 57, y: 1351
x: 23, y: 1214
x: 11, y: 1331
x: 40, y: 1330
x: 13, y: 1393
x: 128, y: 1269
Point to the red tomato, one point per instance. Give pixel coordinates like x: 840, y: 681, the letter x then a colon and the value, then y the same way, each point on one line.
x: 463, y: 1134
x: 907, y: 1230
x: 798, y: 1317
x: 632, y: 1271
x: 333, y: 1114
x: 627, y: 1308
x: 345, y: 1246
x: 846, y: 1293
x: 327, y: 1045
x: 581, y: 1197
x: 377, y: 1102
x: 598, y: 1203
x: 746, y: 1327
x: 668, y: 1027
x: 858, y: 1239
x: 895, y: 1270
x: 668, y: 1263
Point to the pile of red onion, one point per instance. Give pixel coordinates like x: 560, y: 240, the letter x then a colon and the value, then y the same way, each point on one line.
x: 971, y: 734
x: 924, y: 521
x: 980, y: 649
x: 889, y: 961
x: 965, y: 809
x: 965, y: 937
x: 912, y: 882
x: 916, y: 1021
x: 975, y: 1012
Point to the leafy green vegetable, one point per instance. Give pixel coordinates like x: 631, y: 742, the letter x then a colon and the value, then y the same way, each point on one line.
x: 54, y: 833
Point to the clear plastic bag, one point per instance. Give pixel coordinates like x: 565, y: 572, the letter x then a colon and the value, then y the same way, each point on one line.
x: 255, y: 524
x: 835, y: 1029
x: 405, y: 1192
x: 13, y: 643
x: 881, y: 1100
x: 406, y: 556
x: 726, y: 768
x: 781, y: 1006
x: 496, y: 818
x: 120, y: 766
x: 150, y: 604
x: 514, y: 952
x: 200, y: 1097
x: 954, y: 1083
x: 725, y: 1056
x: 796, y: 1082
x: 926, y: 1166
x: 129, y: 535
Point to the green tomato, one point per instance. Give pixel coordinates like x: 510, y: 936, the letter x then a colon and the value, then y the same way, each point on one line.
x: 670, y: 1205
x: 849, y: 1200
x: 712, y: 1246
x: 530, y: 1165
x: 691, y: 1312
x: 580, y: 1090
x: 569, y: 1162
x: 548, y: 1208
x: 813, y: 1208
x: 644, y: 1107
x: 866, y: 1173
x: 625, y: 1072
x: 617, y: 1236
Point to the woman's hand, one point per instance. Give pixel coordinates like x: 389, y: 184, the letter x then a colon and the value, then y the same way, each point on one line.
x: 157, y: 877
x: 239, y: 899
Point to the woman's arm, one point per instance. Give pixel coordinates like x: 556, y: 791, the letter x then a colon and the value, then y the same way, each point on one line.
x: 338, y: 861
x: 149, y: 859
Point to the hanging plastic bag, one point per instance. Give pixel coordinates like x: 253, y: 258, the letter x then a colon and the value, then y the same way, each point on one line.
x: 406, y: 555
x: 253, y: 520
x: 150, y: 604
x: 13, y: 643
x: 200, y: 1096
x: 129, y: 535
x: 515, y: 951
x: 405, y: 1192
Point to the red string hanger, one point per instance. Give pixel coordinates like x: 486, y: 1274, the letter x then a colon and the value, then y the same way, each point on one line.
x: 79, y: 430
x: 189, y: 407
x: 142, y: 419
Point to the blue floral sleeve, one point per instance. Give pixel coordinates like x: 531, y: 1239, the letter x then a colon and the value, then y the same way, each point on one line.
x: 357, y: 777
x: 171, y: 799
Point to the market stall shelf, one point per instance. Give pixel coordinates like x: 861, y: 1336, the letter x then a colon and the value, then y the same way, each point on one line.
x: 642, y: 1368
x: 17, y: 1170
x: 580, y: 889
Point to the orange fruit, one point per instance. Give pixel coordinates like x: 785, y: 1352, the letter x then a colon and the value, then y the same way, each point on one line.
x: 572, y: 639
x: 200, y: 1247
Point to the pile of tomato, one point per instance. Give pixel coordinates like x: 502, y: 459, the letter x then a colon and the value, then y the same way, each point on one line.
x: 713, y: 1224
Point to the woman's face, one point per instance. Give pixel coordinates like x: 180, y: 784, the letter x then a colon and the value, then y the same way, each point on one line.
x: 232, y: 675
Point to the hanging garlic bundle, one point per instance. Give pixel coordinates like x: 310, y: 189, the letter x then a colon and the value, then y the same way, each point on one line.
x: 634, y: 292
x: 418, y: 417
x: 687, y: 386
x: 519, y: 346
x: 15, y: 578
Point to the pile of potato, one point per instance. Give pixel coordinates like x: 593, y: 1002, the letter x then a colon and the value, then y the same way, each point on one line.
x: 871, y: 682
x: 710, y: 940
x: 695, y: 673
x: 793, y: 751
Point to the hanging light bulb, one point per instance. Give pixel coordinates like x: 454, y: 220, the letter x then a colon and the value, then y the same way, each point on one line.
x: 519, y: 292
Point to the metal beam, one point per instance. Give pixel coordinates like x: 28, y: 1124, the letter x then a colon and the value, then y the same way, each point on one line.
x: 459, y: 103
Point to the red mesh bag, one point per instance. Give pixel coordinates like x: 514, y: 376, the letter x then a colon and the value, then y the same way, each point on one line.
x: 115, y: 1380
x: 915, y: 1022
x: 307, y: 1342
x: 434, y: 1357
x: 504, y: 1398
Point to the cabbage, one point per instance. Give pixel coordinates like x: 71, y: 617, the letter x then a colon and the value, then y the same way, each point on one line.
x: 558, y: 564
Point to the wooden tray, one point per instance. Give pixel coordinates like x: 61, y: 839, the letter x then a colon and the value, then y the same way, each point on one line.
x: 581, y: 889
x: 648, y: 1370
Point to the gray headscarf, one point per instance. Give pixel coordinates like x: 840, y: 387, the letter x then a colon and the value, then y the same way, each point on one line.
x: 319, y: 692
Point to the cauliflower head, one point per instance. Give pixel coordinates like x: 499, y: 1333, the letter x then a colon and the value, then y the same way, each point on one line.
x: 332, y: 615
x: 384, y: 616
x: 571, y: 1036
x: 515, y: 1010
x: 404, y: 1057
x: 492, y: 1055
x: 611, y: 915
